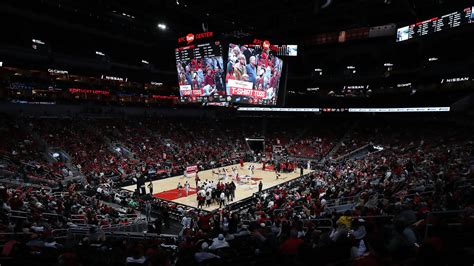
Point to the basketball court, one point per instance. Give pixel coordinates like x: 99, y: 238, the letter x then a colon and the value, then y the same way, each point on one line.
x: 167, y: 188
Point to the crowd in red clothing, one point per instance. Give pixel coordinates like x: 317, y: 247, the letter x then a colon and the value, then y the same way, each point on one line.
x: 21, y: 157
x: 389, y: 207
x: 157, y: 145
x: 121, y: 148
x: 311, y: 141
x: 386, y: 208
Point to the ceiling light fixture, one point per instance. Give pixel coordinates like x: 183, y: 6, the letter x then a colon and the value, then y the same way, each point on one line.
x: 162, y: 26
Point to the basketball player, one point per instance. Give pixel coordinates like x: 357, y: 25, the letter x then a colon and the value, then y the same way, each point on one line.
x: 249, y: 181
x: 232, y: 190
x: 234, y: 173
x: 222, y: 174
x: 246, y: 179
x: 186, y: 188
x: 179, y: 189
x: 200, y: 200
x: 226, y: 175
x: 222, y: 199
x: 251, y: 167
x: 197, y: 180
x: 208, y: 197
x: 150, y: 188
x: 202, y: 192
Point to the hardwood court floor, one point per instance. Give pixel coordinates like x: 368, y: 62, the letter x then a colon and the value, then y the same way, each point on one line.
x: 169, y: 185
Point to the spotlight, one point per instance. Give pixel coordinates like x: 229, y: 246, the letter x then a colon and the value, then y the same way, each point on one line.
x: 162, y: 26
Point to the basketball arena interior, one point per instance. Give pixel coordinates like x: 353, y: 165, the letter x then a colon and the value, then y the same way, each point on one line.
x: 181, y: 132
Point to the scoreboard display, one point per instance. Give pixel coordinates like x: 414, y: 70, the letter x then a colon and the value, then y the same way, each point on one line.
x: 201, y: 73
x: 250, y: 74
x: 253, y: 75
x: 437, y: 24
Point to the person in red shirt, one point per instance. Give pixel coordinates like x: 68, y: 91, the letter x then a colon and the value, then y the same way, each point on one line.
x: 241, y: 163
x: 195, y: 82
x: 230, y: 74
x: 197, y: 180
x: 209, y: 78
x: 263, y: 59
x: 292, y: 244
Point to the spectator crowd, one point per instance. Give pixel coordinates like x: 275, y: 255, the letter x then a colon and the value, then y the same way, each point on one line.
x: 407, y: 203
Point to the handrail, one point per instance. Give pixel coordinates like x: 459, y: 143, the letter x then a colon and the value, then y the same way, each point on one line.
x: 17, y: 212
x: 25, y: 214
x: 119, y: 227
x: 62, y: 193
x: 53, y: 214
x: 321, y: 219
x: 428, y: 224
x: 467, y: 180
x: 374, y: 216
x: 86, y: 227
x: 341, y: 201
x: 419, y: 193
x: 447, y: 212
x: 139, y: 235
x: 339, y: 208
x: 25, y: 184
x: 16, y: 234
x: 344, y: 156
x: 55, y: 233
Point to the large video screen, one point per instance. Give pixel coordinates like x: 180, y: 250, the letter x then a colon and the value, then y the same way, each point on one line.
x: 253, y: 76
x: 437, y: 24
x: 201, y: 73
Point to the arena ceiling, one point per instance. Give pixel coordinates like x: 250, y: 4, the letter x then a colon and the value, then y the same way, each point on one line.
x: 282, y: 19
x: 127, y: 30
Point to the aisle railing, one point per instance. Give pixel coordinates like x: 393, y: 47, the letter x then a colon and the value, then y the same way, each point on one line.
x: 456, y: 214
